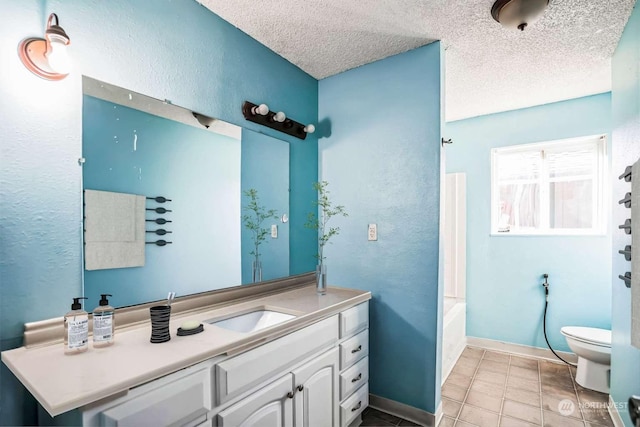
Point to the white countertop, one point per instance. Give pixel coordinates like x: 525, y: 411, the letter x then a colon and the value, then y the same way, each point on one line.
x: 64, y: 382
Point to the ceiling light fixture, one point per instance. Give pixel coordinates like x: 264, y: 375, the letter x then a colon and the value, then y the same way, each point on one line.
x: 47, y: 58
x: 518, y: 13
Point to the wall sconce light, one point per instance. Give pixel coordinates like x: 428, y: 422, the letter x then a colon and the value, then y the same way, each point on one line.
x: 48, y: 57
x: 278, y: 121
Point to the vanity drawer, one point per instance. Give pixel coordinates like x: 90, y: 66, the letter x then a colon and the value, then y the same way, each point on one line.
x: 354, y: 377
x: 184, y: 401
x: 353, y: 406
x: 240, y: 373
x: 354, y: 319
x: 353, y: 349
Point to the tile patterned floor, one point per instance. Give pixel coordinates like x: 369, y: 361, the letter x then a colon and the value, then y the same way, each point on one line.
x: 490, y: 389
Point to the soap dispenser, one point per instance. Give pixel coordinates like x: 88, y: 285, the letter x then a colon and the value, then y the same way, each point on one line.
x: 76, y: 329
x: 103, y: 323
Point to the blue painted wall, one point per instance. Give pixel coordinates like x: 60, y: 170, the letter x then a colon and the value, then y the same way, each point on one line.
x: 195, y: 168
x: 382, y: 161
x: 505, y: 301
x: 265, y: 168
x: 174, y: 50
x: 625, y: 94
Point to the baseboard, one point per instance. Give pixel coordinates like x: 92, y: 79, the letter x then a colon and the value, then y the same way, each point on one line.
x: 615, y: 415
x: 519, y: 349
x: 407, y: 412
x: 449, y: 368
x: 439, y: 414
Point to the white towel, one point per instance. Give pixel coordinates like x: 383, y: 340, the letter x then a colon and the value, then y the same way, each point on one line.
x: 635, y: 254
x: 114, y: 230
x: 109, y: 217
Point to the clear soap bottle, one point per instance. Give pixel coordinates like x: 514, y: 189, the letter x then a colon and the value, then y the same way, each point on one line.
x: 76, y: 329
x: 103, y: 323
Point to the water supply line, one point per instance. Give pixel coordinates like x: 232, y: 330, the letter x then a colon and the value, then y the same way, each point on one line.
x: 544, y: 318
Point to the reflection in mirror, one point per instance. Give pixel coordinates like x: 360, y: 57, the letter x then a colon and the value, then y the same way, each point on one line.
x: 265, y: 169
x: 192, y: 178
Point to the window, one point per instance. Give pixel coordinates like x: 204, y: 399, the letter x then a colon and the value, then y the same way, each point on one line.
x: 549, y: 188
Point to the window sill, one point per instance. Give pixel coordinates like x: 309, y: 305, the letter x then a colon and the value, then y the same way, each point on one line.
x: 558, y: 234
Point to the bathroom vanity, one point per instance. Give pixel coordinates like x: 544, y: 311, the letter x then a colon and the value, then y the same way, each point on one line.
x: 311, y: 369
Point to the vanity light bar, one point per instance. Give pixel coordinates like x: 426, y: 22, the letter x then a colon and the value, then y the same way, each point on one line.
x: 275, y: 120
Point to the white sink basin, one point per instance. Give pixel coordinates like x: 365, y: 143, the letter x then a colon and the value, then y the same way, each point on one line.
x: 251, y: 322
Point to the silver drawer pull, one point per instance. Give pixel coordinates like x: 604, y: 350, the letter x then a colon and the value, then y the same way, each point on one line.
x: 358, y: 406
x: 357, y: 349
x: 300, y: 387
x: 290, y: 395
x: 358, y: 378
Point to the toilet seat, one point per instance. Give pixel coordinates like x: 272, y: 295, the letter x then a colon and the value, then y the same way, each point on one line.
x: 594, y: 336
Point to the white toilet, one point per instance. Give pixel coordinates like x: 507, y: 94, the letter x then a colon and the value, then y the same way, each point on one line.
x: 593, y: 348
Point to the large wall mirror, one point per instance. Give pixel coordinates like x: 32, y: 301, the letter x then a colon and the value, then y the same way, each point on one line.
x: 205, y: 168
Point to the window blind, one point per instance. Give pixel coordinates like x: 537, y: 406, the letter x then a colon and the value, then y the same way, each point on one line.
x: 517, y: 166
x: 578, y: 161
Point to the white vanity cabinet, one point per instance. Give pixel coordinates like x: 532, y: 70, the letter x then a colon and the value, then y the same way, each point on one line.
x: 354, y: 363
x: 316, y: 376
x: 306, y: 397
x: 316, y: 391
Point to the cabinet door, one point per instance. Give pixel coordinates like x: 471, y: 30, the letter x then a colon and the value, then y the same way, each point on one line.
x: 269, y: 407
x: 316, y: 391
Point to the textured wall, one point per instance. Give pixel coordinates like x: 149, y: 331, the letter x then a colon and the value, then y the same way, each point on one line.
x: 504, y: 298
x: 625, y: 97
x: 174, y: 50
x: 382, y: 161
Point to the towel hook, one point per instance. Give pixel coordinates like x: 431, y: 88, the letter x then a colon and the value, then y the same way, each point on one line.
x: 626, y: 252
x: 626, y: 201
x: 626, y: 226
x: 159, y: 243
x: 626, y: 278
x: 626, y: 175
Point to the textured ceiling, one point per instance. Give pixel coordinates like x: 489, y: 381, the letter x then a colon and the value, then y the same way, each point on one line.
x: 488, y: 69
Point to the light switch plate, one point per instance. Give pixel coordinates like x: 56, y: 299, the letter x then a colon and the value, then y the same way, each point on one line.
x: 373, y: 232
x: 274, y: 231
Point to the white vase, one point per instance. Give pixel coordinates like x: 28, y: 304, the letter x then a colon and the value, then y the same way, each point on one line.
x: 256, y: 272
x: 321, y: 279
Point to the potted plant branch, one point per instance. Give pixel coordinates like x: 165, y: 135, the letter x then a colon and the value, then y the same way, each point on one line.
x: 253, y: 219
x: 320, y: 223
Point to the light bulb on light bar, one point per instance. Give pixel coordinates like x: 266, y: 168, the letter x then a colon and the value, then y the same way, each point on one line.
x: 309, y: 128
x: 261, y: 109
x: 279, y: 117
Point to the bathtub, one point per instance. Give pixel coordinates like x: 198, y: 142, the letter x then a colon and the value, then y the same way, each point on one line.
x: 454, y: 337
